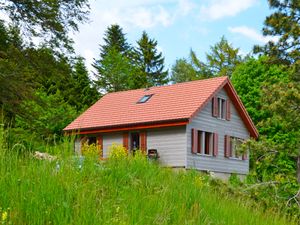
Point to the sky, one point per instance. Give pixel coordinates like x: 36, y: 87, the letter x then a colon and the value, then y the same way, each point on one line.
x: 177, y: 25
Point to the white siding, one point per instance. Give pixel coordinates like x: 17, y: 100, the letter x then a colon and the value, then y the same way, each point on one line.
x: 206, y: 122
x: 170, y: 144
x: 77, y: 146
x: 109, y: 139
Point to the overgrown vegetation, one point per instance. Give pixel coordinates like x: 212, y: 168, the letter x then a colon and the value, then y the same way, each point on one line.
x: 121, y: 190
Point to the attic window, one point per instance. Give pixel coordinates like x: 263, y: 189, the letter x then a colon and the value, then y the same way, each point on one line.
x: 145, y: 98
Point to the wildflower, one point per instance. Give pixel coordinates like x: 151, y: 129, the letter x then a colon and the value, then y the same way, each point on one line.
x: 4, y: 216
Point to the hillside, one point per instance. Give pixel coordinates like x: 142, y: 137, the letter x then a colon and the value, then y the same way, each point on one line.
x: 118, y: 191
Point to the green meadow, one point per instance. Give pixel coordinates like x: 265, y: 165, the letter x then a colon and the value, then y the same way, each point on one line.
x: 120, y: 190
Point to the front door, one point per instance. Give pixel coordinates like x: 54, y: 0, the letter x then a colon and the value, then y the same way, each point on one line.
x: 135, y: 141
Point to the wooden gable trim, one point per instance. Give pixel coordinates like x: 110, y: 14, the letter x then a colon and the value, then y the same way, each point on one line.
x: 108, y: 130
x: 236, y: 101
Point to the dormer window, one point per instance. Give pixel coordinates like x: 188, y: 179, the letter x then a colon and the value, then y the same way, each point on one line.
x: 145, y: 98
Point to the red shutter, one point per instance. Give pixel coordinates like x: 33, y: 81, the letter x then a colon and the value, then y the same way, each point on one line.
x: 228, y: 111
x: 143, y: 140
x: 227, y: 146
x: 215, y: 106
x: 199, y: 144
x: 194, y: 141
x: 100, y: 145
x: 244, y: 157
x: 125, y: 140
x: 215, y: 151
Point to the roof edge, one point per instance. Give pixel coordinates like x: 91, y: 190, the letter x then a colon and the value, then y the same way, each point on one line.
x: 127, y: 127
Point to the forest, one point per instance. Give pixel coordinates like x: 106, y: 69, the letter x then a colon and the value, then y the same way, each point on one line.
x: 44, y: 85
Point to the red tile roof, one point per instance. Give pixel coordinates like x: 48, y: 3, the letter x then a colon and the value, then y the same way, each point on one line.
x: 176, y: 102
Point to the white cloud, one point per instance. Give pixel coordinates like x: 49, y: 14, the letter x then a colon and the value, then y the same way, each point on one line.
x: 252, y: 34
x: 146, y: 14
x: 218, y: 9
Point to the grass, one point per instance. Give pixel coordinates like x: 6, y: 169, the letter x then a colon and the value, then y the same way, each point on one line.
x: 118, y: 191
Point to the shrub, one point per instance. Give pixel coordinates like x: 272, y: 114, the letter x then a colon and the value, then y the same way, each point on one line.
x: 117, y: 151
x: 91, y: 150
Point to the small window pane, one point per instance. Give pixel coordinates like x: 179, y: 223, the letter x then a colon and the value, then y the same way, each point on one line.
x: 144, y: 99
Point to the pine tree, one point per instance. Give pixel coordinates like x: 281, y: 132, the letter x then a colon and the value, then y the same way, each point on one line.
x: 283, y: 23
x: 114, y: 68
x: 150, y: 61
x: 84, y: 90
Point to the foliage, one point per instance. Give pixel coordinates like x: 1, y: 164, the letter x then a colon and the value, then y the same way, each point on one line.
x: 90, y: 150
x: 122, y: 67
x: 259, y: 74
x: 84, y: 92
x: 117, y: 151
x: 222, y: 60
x: 46, y: 116
x: 283, y: 23
x: 50, y: 19
x: 116, y: 74
x: 150, y: 62
x: 183, y: 71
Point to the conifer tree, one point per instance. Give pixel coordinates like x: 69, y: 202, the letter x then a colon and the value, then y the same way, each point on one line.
x: 114, y: 68
x: 150, y: 62
x: 84, y: 89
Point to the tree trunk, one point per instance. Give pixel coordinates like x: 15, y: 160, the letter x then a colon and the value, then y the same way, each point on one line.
x: 298, y: 168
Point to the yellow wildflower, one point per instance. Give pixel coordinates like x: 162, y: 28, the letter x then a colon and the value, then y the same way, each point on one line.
x: 4, y: 216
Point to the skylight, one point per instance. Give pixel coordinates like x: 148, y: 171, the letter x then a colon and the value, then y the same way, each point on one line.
x: 145, y: 98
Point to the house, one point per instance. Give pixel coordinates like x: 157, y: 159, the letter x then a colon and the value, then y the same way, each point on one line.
x: 195, y: 124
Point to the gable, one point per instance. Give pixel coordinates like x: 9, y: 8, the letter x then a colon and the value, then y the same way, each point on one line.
x: 227, y: 91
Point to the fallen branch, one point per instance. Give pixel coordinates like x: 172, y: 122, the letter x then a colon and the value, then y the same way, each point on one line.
x: 295, y: 198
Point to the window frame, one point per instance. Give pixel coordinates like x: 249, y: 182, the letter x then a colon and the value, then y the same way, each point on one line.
x: 144, y: 99
x: 235, y: 142
x: 222, y: 108
x: 202, y: 143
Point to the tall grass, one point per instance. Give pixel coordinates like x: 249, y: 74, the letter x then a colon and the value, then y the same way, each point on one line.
x: 118, y: 191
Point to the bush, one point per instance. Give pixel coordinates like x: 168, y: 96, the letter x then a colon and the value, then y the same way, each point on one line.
x: 117, y: 152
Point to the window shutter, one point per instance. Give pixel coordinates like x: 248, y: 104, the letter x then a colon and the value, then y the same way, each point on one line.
x: 194, y: 141
x: 215, y: 107
x: 227, y: 146
x: 215, y: 150
x: 228, y: 112
x: 143, y: 140
x: 100, y: 145
x: 125, y: 140
x: 199, y: 142
x: 244, y: 157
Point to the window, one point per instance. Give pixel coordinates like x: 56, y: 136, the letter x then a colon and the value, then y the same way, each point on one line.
x: 232, y: 145
x: 235, y: 144
x: 221, y: 108
x: 145, y: 98
x: 204, y: 145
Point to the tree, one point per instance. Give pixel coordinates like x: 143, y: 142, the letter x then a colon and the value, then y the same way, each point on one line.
x: 283, y: 23
x: 283, y: 100
x: 116, y: 72
x: 47, y: 115
x: 114, y: 68
x: 114, y: 38
x: 150, y: 62
x: 84, y: 92
x: 50, y: 19
x: 249, y: 80
x: 223, y: 58
x: 183, y: 71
